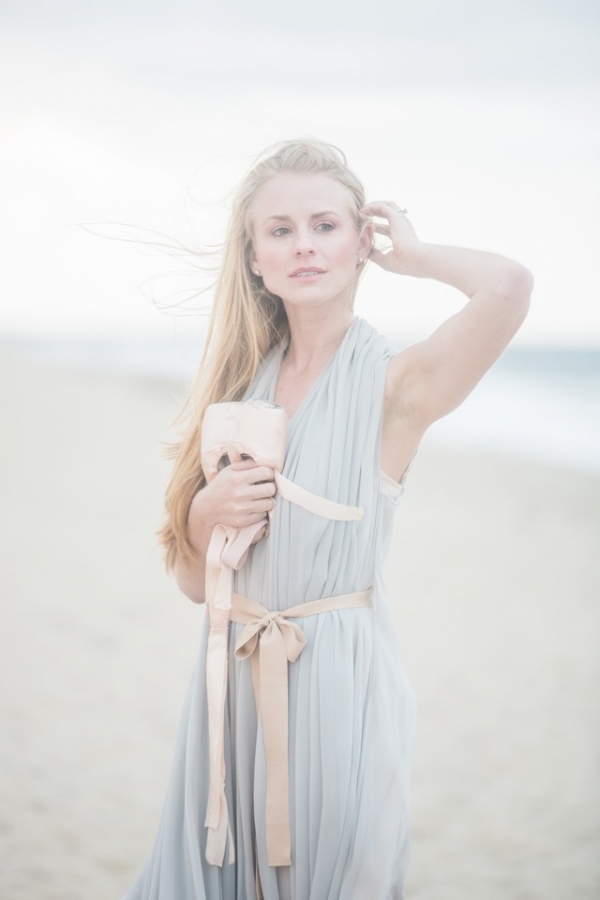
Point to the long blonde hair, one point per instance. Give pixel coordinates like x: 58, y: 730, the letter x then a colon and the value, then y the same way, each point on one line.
x: 246, y: 322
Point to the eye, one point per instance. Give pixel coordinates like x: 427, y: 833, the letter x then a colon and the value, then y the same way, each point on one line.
x: 281, y: 231
x: 325, y: 226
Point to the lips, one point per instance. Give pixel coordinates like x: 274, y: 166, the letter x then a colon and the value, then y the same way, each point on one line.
x: 306, y: 272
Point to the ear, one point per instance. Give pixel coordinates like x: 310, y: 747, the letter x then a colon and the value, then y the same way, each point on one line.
x: 251, y: 260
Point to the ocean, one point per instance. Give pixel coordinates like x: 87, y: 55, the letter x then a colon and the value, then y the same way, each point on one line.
x: 538, y: 403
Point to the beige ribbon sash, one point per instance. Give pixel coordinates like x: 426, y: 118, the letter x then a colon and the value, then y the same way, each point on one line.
x: 228, y: 550
x: 320, y: 506
x: 270, y: 641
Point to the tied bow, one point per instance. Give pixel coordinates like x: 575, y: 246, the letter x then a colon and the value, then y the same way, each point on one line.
x: 270, y: 641
x: 233, y: 431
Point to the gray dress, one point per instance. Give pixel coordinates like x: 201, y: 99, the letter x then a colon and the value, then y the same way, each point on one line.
x: 351, y: 708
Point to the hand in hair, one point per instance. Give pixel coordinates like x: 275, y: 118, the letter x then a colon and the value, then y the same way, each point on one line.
x: 398, y: 230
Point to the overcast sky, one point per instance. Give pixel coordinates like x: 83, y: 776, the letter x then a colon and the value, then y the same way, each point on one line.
x: 486, y: 44
x: 481, y: 117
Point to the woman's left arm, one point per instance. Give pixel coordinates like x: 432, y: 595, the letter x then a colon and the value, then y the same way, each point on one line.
x: 433, y: 377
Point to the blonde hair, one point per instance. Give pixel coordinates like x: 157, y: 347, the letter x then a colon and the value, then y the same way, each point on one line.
x: 246, y: 322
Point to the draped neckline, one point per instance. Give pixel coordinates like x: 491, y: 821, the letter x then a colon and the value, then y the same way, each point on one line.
x: 279, y: 356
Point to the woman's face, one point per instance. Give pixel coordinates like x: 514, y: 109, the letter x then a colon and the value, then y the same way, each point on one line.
x: 306, y: 245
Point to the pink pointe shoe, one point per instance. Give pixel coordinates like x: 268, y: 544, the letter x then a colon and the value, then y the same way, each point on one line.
x: 232, y: 432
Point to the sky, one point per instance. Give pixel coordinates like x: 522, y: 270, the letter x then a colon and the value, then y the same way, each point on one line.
x: 121, y: 120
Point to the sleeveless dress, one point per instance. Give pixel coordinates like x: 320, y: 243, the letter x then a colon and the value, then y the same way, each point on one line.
x: 351, y: 708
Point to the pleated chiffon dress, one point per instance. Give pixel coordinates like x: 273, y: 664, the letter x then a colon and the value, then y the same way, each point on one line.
x: 351, y: 707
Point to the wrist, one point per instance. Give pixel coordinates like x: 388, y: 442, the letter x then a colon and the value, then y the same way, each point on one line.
x: 416, y: 259
x: 200, y: 520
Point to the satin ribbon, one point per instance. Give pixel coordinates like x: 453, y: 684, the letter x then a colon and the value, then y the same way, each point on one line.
x: 270, y: 641
x: 228, y: 550
x: 320, y: 506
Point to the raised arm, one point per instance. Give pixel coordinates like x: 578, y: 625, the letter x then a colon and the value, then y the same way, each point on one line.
x: 431, y: 378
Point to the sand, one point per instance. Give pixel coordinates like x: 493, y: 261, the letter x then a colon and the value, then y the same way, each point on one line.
x: 495, y: 582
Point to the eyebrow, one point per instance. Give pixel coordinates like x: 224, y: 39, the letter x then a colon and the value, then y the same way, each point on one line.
x: 319, y: 215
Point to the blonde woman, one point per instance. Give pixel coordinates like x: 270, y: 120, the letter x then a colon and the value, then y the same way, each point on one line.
x: 309, y: 797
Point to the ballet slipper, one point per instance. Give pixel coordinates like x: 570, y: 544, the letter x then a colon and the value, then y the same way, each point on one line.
x: 232, y: 432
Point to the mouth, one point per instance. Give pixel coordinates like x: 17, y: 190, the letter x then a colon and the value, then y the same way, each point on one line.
x: 307, y: 273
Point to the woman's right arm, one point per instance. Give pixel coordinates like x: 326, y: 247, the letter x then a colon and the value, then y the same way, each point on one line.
x: 241, y: 494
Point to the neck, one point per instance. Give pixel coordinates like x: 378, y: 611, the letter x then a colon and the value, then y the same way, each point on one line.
x: 315, y: 335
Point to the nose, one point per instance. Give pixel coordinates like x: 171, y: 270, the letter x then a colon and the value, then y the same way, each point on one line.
x: 304, y: 244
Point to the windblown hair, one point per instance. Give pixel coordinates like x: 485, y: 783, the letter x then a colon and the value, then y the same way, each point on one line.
x: 247, y: 321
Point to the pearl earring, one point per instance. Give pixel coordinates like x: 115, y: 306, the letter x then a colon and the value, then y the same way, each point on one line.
x: 256, y: 272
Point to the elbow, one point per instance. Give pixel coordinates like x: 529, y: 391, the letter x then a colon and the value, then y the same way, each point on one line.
x: 523, y: 290
x: 190, y: 587
x: 515, y: 288
x: 524, y: 286
x: 193, y: 595
x: 517, y: 284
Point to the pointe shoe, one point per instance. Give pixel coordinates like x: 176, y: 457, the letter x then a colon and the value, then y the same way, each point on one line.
x: 260, y: 432
x: 236, y: 431
x: 217, y: 426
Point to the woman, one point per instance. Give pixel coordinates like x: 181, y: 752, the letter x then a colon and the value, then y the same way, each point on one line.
x: 283, y: 331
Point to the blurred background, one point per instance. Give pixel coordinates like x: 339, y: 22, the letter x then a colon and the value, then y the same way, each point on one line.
x: 124, y: 127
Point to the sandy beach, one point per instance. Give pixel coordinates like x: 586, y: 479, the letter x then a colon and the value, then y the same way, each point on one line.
x: 495, y: 582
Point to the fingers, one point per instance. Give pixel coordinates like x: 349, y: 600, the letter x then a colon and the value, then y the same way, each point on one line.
x: 256, y: 513
x: 247, y: 492
x: 264, y: 505
x: 241, y: 464
x: 383, y: 209
x: 395, y: 228
x: 247, y: 472
x: 258, y: 489
x: 385, y: 260
x: 382, y: 228
x: 251, y: 482
x: 257, y: 492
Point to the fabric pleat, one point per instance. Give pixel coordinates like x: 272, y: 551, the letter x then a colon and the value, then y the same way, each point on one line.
x: 351, y: 708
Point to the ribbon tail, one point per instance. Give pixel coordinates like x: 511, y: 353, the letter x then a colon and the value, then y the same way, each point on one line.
x: 236, y: 549
x: 273, y: 666
x: 218, y: 601
x: 216, y: 839
x: 320, y: 506
x: 216, y: 684
x: 217, y: 817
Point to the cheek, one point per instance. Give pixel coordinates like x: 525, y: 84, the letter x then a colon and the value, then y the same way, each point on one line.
x: 267, y: 261
x: 346, y: 252
x: 271, y: 263
x: 267, y: 254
